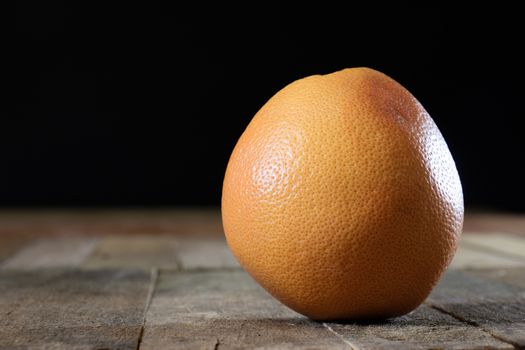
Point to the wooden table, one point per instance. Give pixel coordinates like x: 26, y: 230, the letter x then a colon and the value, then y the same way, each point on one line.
x: 165, y: 280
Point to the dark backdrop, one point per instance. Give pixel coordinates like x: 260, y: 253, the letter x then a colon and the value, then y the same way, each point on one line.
x: 142, y: 105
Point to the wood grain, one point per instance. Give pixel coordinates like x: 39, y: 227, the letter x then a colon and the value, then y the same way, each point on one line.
x: 481, y: 300
x: 134, y: 252
x: 194, y: 310
x: 80, y: 280
x: 473, y: 257
x: 11, y: 243
x: 498, y: 244
x: 424, y: 328
x: 202, y: 221
x: 512, y: 276
x: 204, y: 253
x: 51, y: 253
x: 487, y: 222
x: 71, y: 309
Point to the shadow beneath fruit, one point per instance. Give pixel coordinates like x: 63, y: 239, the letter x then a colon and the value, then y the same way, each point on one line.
x: 424, y: 315
x: 360, y: 322
x: 496, y: 313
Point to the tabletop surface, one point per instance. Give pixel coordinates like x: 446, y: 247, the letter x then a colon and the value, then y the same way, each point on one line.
x: 165, y: 279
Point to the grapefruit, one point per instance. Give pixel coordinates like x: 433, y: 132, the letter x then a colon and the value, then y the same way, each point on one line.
x: 341, y: 197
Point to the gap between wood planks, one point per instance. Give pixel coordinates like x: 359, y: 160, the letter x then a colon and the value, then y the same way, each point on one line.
x: 151, y: 291
x: 180, y: 266
x: 340, y: 336
x: 346, y: 339
x: 198, y: 266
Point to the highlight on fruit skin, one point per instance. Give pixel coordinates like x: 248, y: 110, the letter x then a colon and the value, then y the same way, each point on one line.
x: 341, y: 197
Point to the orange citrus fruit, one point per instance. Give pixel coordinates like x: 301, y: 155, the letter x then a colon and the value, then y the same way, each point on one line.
x: 342, y: 199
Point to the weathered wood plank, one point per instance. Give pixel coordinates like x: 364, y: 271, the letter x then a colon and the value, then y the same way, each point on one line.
x: 72, y: 309
x: 51, y: 253
x: 134, y: 252
x: 499, y: 308
x: 170, y: 252
x: 192, y: 309
x: 176, y: 221
x: 228, y: 310
x: 472, y: 257
x: 492, y: 222
x: 204, y: 252
x: 10, y: 244
x: 424, y: 328
x: 504, y: 244
x: 512, y: 276
x: 203, y: 221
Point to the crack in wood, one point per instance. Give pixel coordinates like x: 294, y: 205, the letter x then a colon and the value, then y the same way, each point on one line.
x: 475, y: 324
x: 151, y: 291
x: 352, y: 346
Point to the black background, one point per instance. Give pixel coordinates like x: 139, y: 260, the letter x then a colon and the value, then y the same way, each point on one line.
x: 141, y: 105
